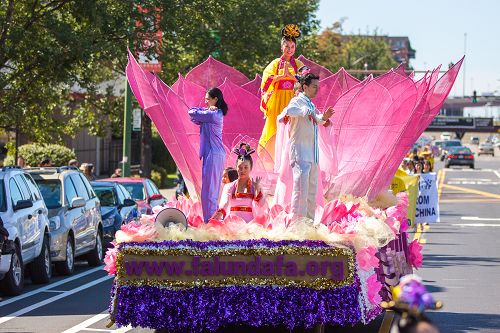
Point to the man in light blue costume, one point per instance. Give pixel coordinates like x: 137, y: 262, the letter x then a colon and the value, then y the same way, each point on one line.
x: 304, y: 150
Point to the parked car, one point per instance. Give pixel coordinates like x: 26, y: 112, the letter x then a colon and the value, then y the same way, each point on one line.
x: 459, y: 156
x: 25, y: 217
x: 486, y: 149
x: 447, y: 145
x: 474, y: 140
x: 143, y: 191
x: 75, y: 217
x: 117, y: 206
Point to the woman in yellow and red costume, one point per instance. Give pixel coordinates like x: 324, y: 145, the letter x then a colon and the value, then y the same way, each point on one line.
x: 277, y: 85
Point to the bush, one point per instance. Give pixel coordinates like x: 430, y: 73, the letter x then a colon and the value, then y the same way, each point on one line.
x: 34, y: 153
x: 161, y: 156
x: 159, y: 175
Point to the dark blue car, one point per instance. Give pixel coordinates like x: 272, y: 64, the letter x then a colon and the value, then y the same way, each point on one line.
x: 117, y: 206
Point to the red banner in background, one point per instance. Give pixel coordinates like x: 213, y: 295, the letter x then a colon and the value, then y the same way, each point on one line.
x: 148, y: 39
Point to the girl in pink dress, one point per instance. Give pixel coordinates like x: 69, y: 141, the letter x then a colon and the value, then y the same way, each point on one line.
x: 242, y: 197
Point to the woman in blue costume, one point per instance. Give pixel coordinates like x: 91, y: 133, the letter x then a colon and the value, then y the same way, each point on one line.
x: 212, y: 151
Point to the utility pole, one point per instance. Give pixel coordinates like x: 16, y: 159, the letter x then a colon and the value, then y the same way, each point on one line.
x: 465, y: 60
x: 127, y: 112
x: 127, y: 131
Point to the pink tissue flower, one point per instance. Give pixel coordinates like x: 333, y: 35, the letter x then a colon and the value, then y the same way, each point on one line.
x: 139, y: 232
x: 415, y: 252
x: 374, y: 286
x: 110, y: 261
x: 366, y: 258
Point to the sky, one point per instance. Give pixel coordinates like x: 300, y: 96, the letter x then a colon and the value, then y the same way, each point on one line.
x: 436, y: 31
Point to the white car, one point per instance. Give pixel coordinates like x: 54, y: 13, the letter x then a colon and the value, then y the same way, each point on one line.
x: 75, y: 218
x: 25, y: 217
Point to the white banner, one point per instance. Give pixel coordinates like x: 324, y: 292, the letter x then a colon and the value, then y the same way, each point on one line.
x: 427, y: 202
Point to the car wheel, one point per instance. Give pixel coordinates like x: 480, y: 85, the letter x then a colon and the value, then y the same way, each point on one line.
x: 472, y: 166
x: 67, y: 266
x: 95, y: 257
x: 41, y: 268
x: 13, y: 282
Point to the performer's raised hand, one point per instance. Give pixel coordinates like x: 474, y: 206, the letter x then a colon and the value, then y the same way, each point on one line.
x: 256, y: 184
x: 328, y: 113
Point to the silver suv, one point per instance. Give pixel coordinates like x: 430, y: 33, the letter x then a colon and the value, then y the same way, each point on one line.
x: 24, y: 215
x: 75, y: 217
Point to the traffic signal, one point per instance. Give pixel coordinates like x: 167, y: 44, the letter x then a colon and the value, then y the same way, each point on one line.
x: 474, y: 97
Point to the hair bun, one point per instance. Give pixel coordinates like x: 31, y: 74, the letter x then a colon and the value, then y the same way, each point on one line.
x: 290, y: 31
x: 243, y: 149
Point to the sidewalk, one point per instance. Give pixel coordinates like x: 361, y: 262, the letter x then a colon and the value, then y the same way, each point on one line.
x: 168, y: 193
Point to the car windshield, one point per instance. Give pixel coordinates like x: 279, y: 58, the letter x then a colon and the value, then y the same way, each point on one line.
x: 438, y: 143
x: 106, y: 195
x: 452, y: 144
x: 3, y: 202
x: 460, y: 150
x: 136, y: 190
x: 51, y: 192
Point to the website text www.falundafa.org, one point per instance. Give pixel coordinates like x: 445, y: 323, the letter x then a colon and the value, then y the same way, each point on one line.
x: 225, y: 267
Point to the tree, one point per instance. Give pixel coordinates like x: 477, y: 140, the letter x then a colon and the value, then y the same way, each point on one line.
x: 335, y: 50
x: 49, y: 47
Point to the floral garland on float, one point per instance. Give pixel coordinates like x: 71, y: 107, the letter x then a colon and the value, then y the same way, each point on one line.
x: 350, y: 234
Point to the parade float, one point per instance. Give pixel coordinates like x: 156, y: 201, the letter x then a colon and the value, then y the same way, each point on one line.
x: 175, y: 272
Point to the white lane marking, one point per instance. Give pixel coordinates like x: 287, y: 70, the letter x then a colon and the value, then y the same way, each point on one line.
x: 52, y: 299
x: 475, y: 218
x: 472, y: 182
x: 84, y: 324
x: 476, y: 225
x: 496, y: 173
x: 50, y: 286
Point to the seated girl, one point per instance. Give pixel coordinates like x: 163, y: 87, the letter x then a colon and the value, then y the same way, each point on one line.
x: 242, y: 197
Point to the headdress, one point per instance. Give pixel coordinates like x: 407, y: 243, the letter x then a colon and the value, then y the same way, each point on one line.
x: 290, y: 31
x: 303, y: 71
x: 411, y: 298
x: 243, y: 149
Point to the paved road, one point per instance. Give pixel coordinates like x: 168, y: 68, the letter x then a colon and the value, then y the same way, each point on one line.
x: 462, y: 252
x: 461, y: 267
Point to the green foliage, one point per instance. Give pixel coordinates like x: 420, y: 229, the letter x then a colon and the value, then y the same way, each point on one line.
x: 249, y: 32
x: 49, y: 48
x: 161, y: 156
x: 335, y: 50
x: 34, y: 153
x: 46, y: 48
x: 160, y: 176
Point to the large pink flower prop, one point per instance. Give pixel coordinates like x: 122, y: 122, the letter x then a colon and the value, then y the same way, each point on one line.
x: 415, y: 254
x: 366, y: 258
x: 375, y: 123
x: 373, y: 288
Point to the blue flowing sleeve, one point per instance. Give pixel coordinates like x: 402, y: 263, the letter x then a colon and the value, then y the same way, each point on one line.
x: 203, y: 115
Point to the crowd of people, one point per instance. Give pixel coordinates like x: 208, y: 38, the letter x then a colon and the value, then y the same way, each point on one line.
x: 419, y: 160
